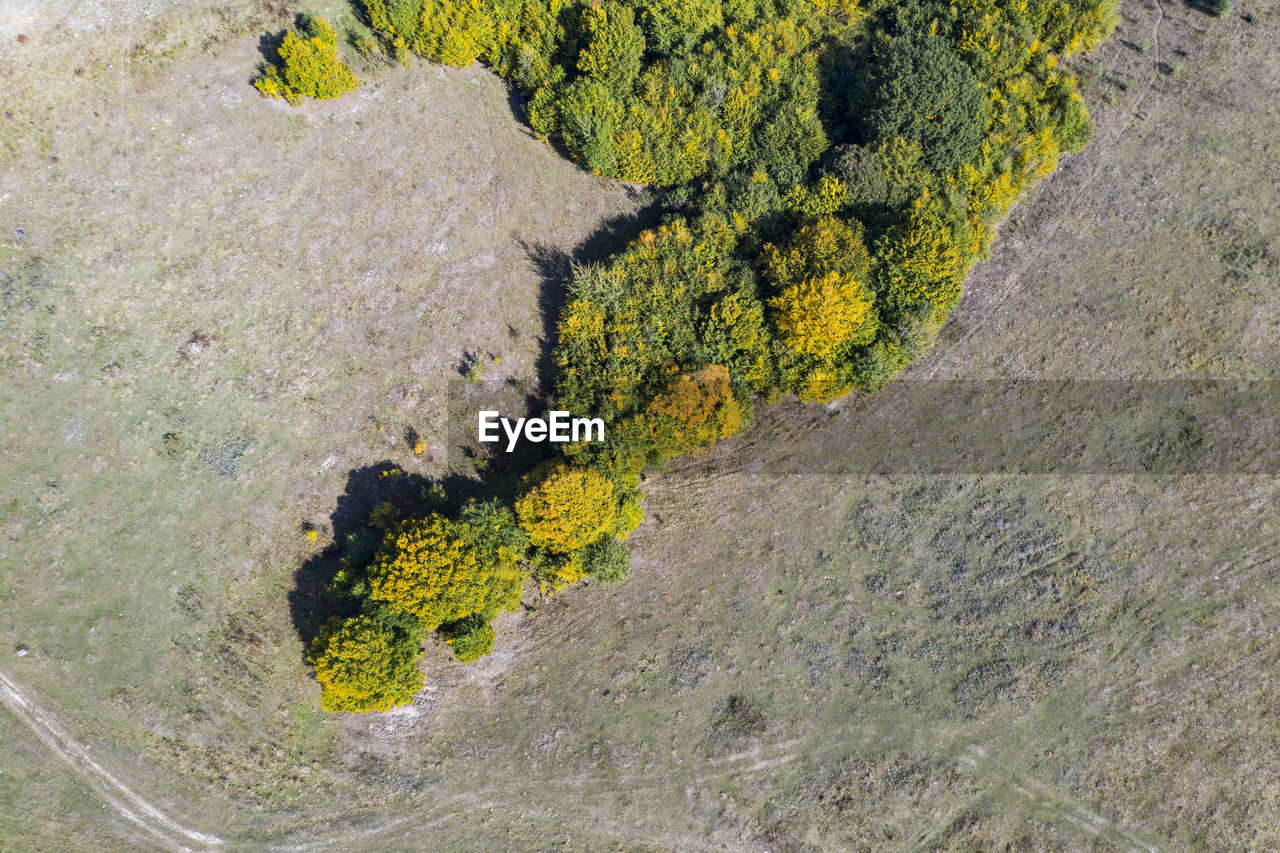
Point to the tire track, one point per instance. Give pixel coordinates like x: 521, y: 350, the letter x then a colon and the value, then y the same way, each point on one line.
x: 127, y: 803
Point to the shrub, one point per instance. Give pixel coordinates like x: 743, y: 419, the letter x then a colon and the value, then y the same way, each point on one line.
x: 606, y: 561
x: 455, y: 32
x: 1075, y: 129
x: 470, y: 639
x: 309, y: 66
x: 922, y: 91
x: 566, y: 507
x: 1219, y: 8
x: 367, y: 663
x: 441, y: 571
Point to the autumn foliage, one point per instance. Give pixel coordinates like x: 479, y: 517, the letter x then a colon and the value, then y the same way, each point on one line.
x: 366, y: 664
x: 826, y: 173
x: 433, y: 569
x: 567, y: 507
x: 309, y: 66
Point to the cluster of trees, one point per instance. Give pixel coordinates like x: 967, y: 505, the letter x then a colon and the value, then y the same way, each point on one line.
x: 455, y: 574
x: 830, y: 171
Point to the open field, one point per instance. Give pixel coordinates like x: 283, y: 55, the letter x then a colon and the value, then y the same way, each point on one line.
x: 223, y: 314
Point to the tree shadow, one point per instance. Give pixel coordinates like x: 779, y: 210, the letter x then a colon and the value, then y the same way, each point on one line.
x: 472, y: 471
x: 311, y: 602
x: 269, y: 47
x: 555, y: 268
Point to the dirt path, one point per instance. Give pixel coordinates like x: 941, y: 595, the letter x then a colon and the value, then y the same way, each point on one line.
x: 127, y: 803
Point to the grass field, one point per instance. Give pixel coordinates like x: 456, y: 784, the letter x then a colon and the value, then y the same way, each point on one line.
x: 223, y: 314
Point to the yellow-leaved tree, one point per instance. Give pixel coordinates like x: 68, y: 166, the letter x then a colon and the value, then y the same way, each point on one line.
x: 366, y: 663
x: 823, y: 305
x: 435, y: 569
x: 309, y: 66
x: 567, y: 507
x: 694, y: 410
x: 922, y: 261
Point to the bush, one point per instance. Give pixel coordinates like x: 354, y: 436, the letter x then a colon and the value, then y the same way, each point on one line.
x: 441, y: 571
x: 367, y: 663
x: 470, y: 638
x: 606, y: 561
x: 1219, y: 8
x: 566, y: 507
x: 922, y: 91
x: 309, y: 66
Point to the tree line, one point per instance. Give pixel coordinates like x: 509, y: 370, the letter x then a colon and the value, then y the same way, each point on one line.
x: 829, y: 171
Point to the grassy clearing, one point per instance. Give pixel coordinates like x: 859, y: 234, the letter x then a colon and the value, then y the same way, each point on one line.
x: 221, y: 307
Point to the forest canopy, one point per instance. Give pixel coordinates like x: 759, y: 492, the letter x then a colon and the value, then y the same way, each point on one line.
x: 828, y: 172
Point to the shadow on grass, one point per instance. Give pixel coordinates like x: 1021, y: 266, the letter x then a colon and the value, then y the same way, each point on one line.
x: 472, y: 473
x: 555, y: 266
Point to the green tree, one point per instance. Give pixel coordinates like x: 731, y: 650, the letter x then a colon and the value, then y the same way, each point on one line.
x: 615, y: 46
x: 921, y: 261
x: 922, y: 91
x: 606, y: 561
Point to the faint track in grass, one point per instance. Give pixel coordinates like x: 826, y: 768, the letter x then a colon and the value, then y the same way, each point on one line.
x: 126, y: 802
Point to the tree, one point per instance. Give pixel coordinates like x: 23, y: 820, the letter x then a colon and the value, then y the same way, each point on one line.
x: 921, y: 262
x: 615, y: 46
x: 470, y: 639
x: 455, y: 32
x: 441, y: 570
x: 566, y: 507
x: 367, y: 663
x: 695, y: 409
x: 922, y: 91
x: 824, y: 305
x: 309, y: 66
x: 668, y: 23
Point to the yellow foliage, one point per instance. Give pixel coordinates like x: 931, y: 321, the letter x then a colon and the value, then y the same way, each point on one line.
x: 362, y: 665
x: 821, y: 386
x: 309, y: 66
x: 433, y: 569
x: 824, y: 305
x: 695, y: 409
x: 825, y: 197
x: 567, y: 507
x: 922, y: 262
x: 630, y: 515
x: 822, y: 316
